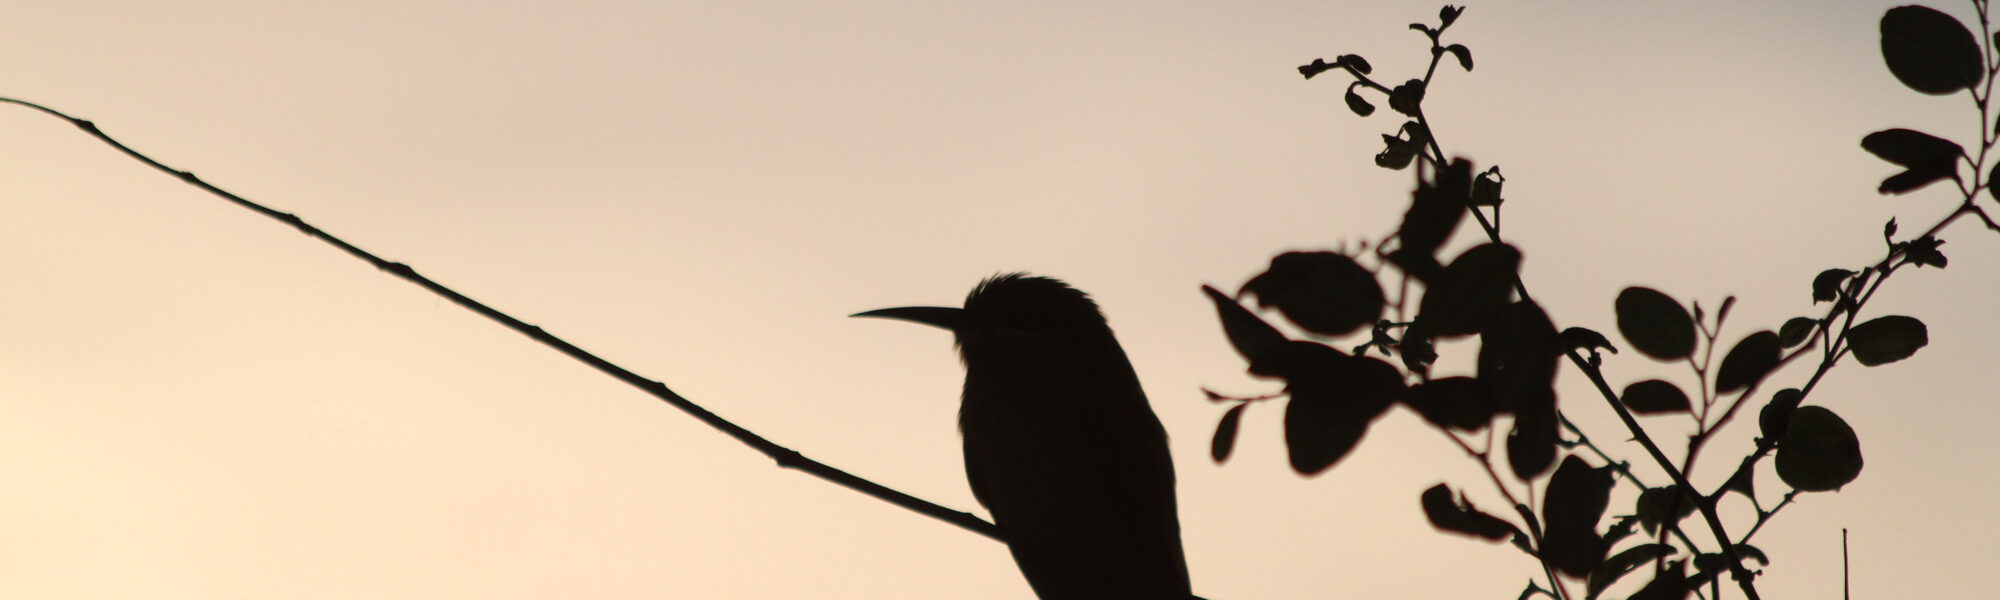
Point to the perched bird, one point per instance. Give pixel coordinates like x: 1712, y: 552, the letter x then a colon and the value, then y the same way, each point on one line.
x: 1060, y: 444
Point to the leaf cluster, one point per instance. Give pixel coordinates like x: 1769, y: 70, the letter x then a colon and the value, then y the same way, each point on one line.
x: 1477, y: 296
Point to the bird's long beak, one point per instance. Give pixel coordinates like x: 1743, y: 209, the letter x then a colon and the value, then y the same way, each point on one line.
x: 935, y: 316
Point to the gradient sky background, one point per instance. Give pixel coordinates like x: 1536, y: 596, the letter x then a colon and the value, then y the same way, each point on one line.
x: 197, y: 402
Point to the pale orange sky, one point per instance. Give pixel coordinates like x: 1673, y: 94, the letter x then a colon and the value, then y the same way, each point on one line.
x: 197, y: 402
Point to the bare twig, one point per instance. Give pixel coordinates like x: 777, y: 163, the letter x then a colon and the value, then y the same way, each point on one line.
x: 785, y: 457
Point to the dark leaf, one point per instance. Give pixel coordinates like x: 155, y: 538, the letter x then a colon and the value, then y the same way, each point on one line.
x: 1624, y: 562
x: 1795, y: 331
x: 1654, y: 323
x: 1297, y: 361
x: 1417, y: 133
x: 1448, y: 14
x: 1467, y: 294
x: 1416, y: 348
x: 1213, y: 396
x: 1323, y: 292
x: 1748, y: 362
x: 1671, y: 584
x: 1663, y: 505
x: 1407, y: 98
x: 1461, y: 403
x: 1819, y: 451
x: 1455, y: 515
x: 1654, y: 397
x: 1578, y: 338
x: 1925, y: 157
x: 1397, y: 153
x: 1225, y: 434
x: 1334, y: 399
x: 1888, y: 229
x: 1518, y: 357
x: 1531, y: 447
x: 1318, y: 66
x: 1722, y: 314
x: 1930, y: 51
x: 1357, y: 104
x: 1826, y: 286
x: 1463, y: 54
x: 1776, y: 418
x: 1887, y: 339
x: 1576, y: 497
x: 1360, y: 65
x: 1250, y: 335
x: 1923, y: 251
x: 1993, y: 190
x: 1486, y: 188
x: 1436, y: 208
x: 1913, y: 179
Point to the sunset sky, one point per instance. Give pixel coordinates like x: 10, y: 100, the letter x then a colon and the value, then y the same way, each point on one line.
x: 197, y: 402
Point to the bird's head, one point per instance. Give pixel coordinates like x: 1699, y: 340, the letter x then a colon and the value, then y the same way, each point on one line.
x: 1014, y: 308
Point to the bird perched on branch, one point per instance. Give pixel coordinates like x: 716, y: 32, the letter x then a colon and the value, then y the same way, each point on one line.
x: 1060, y: 444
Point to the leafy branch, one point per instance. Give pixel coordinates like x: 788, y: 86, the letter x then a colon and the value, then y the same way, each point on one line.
x: 1329, y: 295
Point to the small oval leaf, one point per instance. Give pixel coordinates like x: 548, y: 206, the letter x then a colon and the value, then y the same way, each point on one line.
x: 1795, y: 331
x: 1662, y: 505
x: 1449, y: 514
x: 1323, y: 292
x: 1225, y: 434
x: 1776, y: 417
x: 1654, y: 323
x: 1318, y: 66
x: 1926, y: 158
x: 1574, y: 500
x: 1748, y: 362
x: 1930, y: 51
x: 1826, y: 285
x: 1654, y: 397
x: 1359, y: 105
x: 1909, y: 148
x: 1463, y: 54
x: 1819, y: 452
x: 1407, y: 98
x: 1360, y: 65
x: 1887, y: 339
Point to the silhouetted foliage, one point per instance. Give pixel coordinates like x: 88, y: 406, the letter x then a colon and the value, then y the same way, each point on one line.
x: 1335, y: 397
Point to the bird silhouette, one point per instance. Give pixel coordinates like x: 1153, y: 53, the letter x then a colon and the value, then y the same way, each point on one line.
x: 1060, y: 444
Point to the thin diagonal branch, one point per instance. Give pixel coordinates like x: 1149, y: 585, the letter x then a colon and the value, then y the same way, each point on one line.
x: 785, y: 457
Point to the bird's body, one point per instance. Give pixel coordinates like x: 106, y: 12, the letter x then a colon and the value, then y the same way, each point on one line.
x: 1061, y: 445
